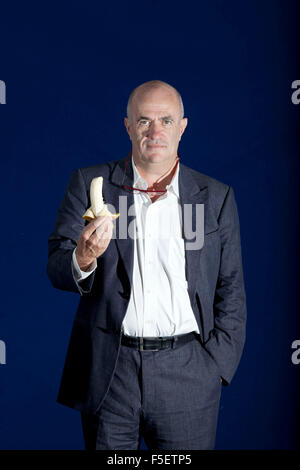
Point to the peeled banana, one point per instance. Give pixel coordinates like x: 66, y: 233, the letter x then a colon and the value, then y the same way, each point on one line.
x: 97, y: 204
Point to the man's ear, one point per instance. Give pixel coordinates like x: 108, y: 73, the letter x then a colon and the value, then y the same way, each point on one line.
x: 127, y: 125
x: 183, y: 125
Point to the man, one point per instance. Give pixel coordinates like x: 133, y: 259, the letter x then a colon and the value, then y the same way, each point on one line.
x: 161, y: 319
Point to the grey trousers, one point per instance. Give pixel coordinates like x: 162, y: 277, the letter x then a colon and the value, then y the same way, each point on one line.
x: 169, y: 397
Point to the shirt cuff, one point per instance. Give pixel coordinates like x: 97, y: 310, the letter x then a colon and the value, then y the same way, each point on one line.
x: 80, y: 275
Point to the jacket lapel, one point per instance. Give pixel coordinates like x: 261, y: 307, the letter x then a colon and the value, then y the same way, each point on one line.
x: 123, y: 201
x: 191, y: 193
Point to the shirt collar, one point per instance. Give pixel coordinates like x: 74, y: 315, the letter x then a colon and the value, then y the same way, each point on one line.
x: 141, y: 183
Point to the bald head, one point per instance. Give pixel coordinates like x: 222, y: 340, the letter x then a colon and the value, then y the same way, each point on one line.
x: 148, y: 87
x: 155, y: 124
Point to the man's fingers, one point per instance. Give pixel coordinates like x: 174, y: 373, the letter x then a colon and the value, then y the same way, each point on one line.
x: 108, y: 231
x: 95, y: 237
x: 97, y: 245
x: 104, y: 230
x: 101, y: 234
x: 93, y: 225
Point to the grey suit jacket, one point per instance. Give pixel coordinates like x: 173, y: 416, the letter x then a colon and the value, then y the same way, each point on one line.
x: 213, y: 272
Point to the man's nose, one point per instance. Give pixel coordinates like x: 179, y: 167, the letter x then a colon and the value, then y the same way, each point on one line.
x: 154, y: 130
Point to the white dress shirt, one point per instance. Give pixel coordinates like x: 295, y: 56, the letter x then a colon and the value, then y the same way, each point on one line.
x: 159, y: 304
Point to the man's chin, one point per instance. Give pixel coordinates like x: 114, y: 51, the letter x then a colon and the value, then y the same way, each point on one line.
x: 156, y: 154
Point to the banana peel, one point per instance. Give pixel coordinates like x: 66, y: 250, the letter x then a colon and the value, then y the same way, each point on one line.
x: 97, y: 203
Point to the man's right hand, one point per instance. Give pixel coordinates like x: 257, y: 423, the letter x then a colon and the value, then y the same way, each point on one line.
x: 93, y: 241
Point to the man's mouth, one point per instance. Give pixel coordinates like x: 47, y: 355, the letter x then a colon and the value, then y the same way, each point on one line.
x: 156, y: 146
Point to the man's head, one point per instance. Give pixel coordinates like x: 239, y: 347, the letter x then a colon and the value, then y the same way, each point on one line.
x: 155, y: 122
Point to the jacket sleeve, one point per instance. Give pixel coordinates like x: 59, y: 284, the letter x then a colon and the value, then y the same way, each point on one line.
x: 226, y: 340
x: 62, y: 241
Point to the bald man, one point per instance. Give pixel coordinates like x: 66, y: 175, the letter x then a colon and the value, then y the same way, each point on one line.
x: 160, y: 325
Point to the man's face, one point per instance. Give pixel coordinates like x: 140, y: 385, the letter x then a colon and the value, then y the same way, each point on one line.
x: 155, y: 125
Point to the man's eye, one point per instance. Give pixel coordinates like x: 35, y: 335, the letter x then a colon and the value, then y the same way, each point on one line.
x: 167, y: 122
x: 143, y: 122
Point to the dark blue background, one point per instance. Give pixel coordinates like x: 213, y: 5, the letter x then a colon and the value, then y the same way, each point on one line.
x: 69, y: 68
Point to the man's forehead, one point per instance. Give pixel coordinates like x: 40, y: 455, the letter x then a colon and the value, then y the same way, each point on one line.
x: 163, y: 107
